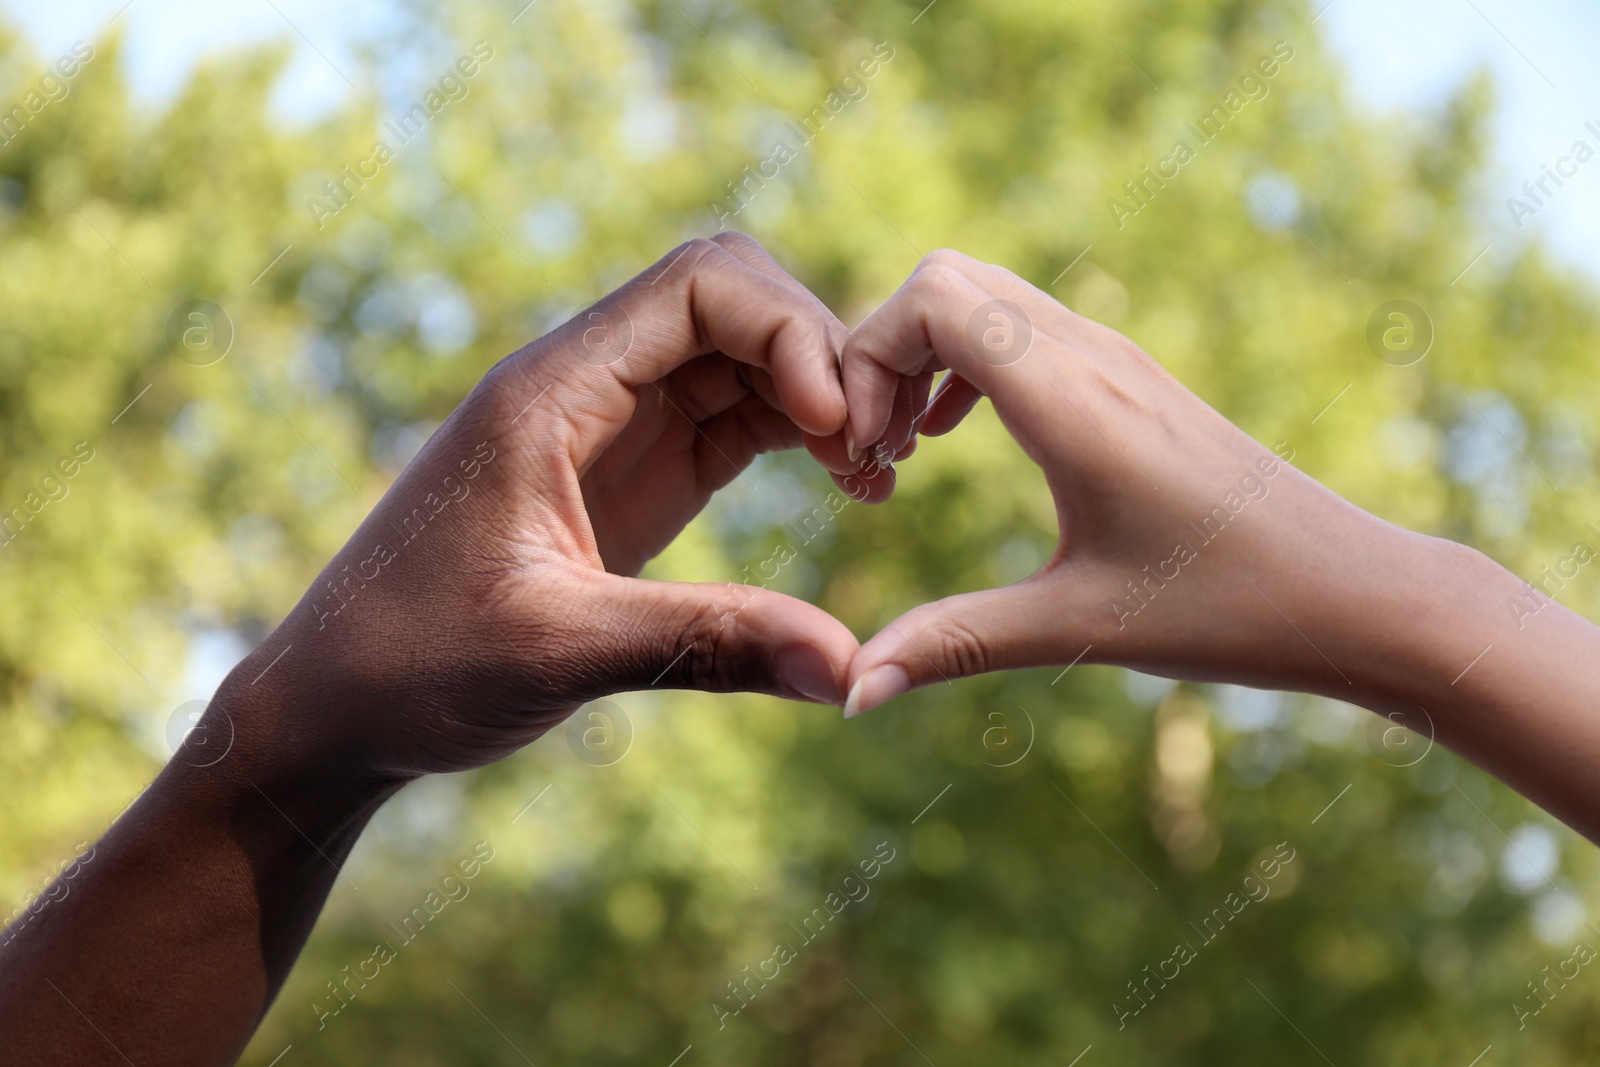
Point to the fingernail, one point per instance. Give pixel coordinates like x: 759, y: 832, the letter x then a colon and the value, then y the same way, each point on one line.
x: 804, y: 671
x: 851, y: 451
x: 878, y: 686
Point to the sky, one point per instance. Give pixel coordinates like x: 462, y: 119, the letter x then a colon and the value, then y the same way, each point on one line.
x: 1405, y: 55
x: 166, y: 38
x: 1401, y: 56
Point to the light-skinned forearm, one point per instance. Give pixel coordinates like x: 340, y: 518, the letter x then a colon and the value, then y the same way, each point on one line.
x: 1444, y: 638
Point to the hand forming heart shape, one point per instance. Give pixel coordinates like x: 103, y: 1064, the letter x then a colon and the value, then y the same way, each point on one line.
x: 492, y: 590
x: 1170, y: 560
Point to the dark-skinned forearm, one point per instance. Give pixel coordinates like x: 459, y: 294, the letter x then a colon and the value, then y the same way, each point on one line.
x: 174, y: 939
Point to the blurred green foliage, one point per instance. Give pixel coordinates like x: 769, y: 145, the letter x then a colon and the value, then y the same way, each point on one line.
x: 617, y: 908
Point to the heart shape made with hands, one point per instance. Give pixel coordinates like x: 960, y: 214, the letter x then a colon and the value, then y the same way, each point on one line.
x: 608, y: 435
x: 762, y: 365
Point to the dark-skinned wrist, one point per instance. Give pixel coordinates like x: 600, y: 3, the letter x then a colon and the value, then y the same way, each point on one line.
x: 277, y: 734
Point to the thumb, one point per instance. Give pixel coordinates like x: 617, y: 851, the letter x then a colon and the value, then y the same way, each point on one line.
x: 960, y: 636
x: 714, y: 636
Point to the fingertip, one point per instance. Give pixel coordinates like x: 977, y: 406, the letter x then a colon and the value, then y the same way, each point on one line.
x: 870, y: 389
x: 832, y: 413
x: 876, y: 687
x: 818, y: 410
x: 834, y: 405
x: 810, y: 675
x: 792, y: 648
x: 830, y: 453
x: 952, y: 403
x: 865, y: 429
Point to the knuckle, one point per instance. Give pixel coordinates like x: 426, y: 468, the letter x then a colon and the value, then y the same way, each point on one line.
x: 699, y: 651
x: 941, y: 276
x: 961, y: 648
x: 947, y: 258
x: 504, y: 381
x: 699, y: 252
x: 502, y: 400
x: 736, y: 240
x: 682, y: 262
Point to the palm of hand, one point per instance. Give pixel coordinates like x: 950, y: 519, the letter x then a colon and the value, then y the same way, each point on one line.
x: 689, y: 435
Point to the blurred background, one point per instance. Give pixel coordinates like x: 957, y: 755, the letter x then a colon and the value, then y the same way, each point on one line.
x: 1051, y: 838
